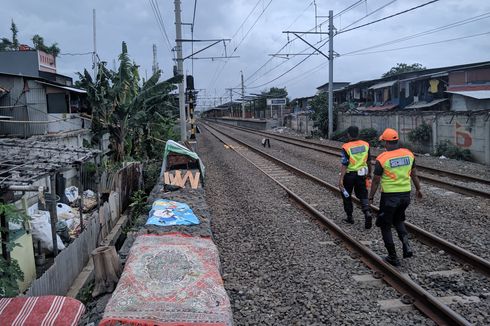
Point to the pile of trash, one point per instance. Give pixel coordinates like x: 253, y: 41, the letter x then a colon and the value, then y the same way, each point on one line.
x: 68, y: 225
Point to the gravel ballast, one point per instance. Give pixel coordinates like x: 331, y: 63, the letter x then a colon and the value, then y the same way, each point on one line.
x: 281, y: 267
x: 460, y: 219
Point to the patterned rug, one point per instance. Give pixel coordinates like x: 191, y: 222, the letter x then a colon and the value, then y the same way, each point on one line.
x: 168, y: 280
x: 46, y: 310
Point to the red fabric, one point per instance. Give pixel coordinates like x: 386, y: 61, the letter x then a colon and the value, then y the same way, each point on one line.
x: 170, y: 280
x: 45, y: 311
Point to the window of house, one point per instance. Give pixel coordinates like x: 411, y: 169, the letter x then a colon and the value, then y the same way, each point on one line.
x: 57, y: 103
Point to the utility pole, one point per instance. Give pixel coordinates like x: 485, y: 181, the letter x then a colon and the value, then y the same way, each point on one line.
x: 154, y: 67
x: 94, y: 54
x: 180, y: 70
x: 330, y: 73
x: 243, y: 97
x: 231, y: 102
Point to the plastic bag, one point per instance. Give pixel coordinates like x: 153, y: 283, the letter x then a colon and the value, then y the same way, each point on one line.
x: 41, y: 231
x: 71, y: 193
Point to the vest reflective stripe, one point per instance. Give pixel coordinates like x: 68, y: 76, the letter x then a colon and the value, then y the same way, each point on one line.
x: 397, y: 166
x: 358, y: 151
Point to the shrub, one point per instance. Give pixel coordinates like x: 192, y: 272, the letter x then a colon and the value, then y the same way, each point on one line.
x: 421, y: 135
x: 449, y: 150
x: 151, y: 173
x: 340, y: 135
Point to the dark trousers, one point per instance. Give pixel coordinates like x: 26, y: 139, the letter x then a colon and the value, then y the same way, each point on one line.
x: 392, y: 212
x: 352, y: 181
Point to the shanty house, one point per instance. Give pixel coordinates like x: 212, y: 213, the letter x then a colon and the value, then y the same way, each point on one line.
x: 34, y: 99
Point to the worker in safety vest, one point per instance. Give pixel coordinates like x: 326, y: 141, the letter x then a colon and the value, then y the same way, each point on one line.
x: 356, y: 168
x: 394, y: 169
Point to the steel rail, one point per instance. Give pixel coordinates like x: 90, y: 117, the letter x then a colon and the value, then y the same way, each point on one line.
x: 335, y: 148
x: 322, y: 148
x: 422, y: 299
x: 428, y: 238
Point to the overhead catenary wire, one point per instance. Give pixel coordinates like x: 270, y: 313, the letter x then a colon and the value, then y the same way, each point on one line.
x: 290, y: 41
x: 369, y: 14
x: 388, y: 17
x: 427, y: 32
x: 244, y: 37
x: 161, y: 26
x: 289, y: 70
x: 346, y: 30
x: 419, y: 45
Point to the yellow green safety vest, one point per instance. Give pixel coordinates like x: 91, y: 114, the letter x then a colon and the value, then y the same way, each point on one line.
x: 397, y: 166
x: 358, y: 151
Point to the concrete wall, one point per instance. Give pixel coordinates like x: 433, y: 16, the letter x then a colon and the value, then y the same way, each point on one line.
x: 465, y: 130
x: 299, y: 124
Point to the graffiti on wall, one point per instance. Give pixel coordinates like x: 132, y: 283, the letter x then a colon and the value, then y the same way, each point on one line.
x: 463, y: 137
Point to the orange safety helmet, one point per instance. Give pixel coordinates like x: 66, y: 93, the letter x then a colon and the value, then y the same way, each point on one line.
x: 389, y: 135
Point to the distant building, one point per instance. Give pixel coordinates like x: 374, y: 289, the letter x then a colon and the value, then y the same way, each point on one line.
x: 456, y: 88
x: 470, y: 88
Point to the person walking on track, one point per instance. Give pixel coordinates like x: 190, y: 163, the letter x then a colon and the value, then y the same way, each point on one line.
x: 394, y: 169
x: 356, y: 168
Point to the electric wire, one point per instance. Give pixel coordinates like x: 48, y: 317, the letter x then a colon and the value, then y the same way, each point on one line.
x: 289, y: 70
x: 419, y: 45
x: 387, y: 17
x: 160, y: 24
x: 424, y: 33
x: 346, y: 30
x: 369, y: 14
x: 295, y: 38
x: 242, y: 39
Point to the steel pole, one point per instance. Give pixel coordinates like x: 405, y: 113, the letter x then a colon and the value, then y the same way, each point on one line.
x: 330, y: 73
x: 180, y: 70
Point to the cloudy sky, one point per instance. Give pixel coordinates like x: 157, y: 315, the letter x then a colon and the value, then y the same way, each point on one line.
x: 255, y: 28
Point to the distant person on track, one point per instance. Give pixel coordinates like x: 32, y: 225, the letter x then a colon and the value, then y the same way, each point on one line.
x: 394, y: 169
x: 356, y: 168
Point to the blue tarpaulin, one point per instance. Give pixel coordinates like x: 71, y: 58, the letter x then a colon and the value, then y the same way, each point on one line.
x: 168, y: 212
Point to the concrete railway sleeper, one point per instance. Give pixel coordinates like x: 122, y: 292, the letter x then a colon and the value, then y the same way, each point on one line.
x: 433, y: 178
x: 283, y: 173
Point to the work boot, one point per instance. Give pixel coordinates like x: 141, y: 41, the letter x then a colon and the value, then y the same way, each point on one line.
x: 349, y: 219
x: 392, y: 258
x: 368, y: 220
x: 407, y: 249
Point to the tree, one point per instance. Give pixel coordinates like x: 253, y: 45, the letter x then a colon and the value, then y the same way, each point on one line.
x: 38, y: 42
x: 9, y: 268
x: 131, y: 113
x: 319, y: 104
x: 15, y: 41
x: 403, y: 67
x: 273, y: 92
x: 13, y: 44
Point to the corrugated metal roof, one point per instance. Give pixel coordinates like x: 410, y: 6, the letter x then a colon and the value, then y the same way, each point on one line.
x: 480, y: 95
x: 71, y: 89
x: 420, y: 105
x: 384, y: 84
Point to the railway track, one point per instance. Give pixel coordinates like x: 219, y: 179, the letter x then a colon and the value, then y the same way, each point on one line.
x: 424, y: 171
x: 284, y: 173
